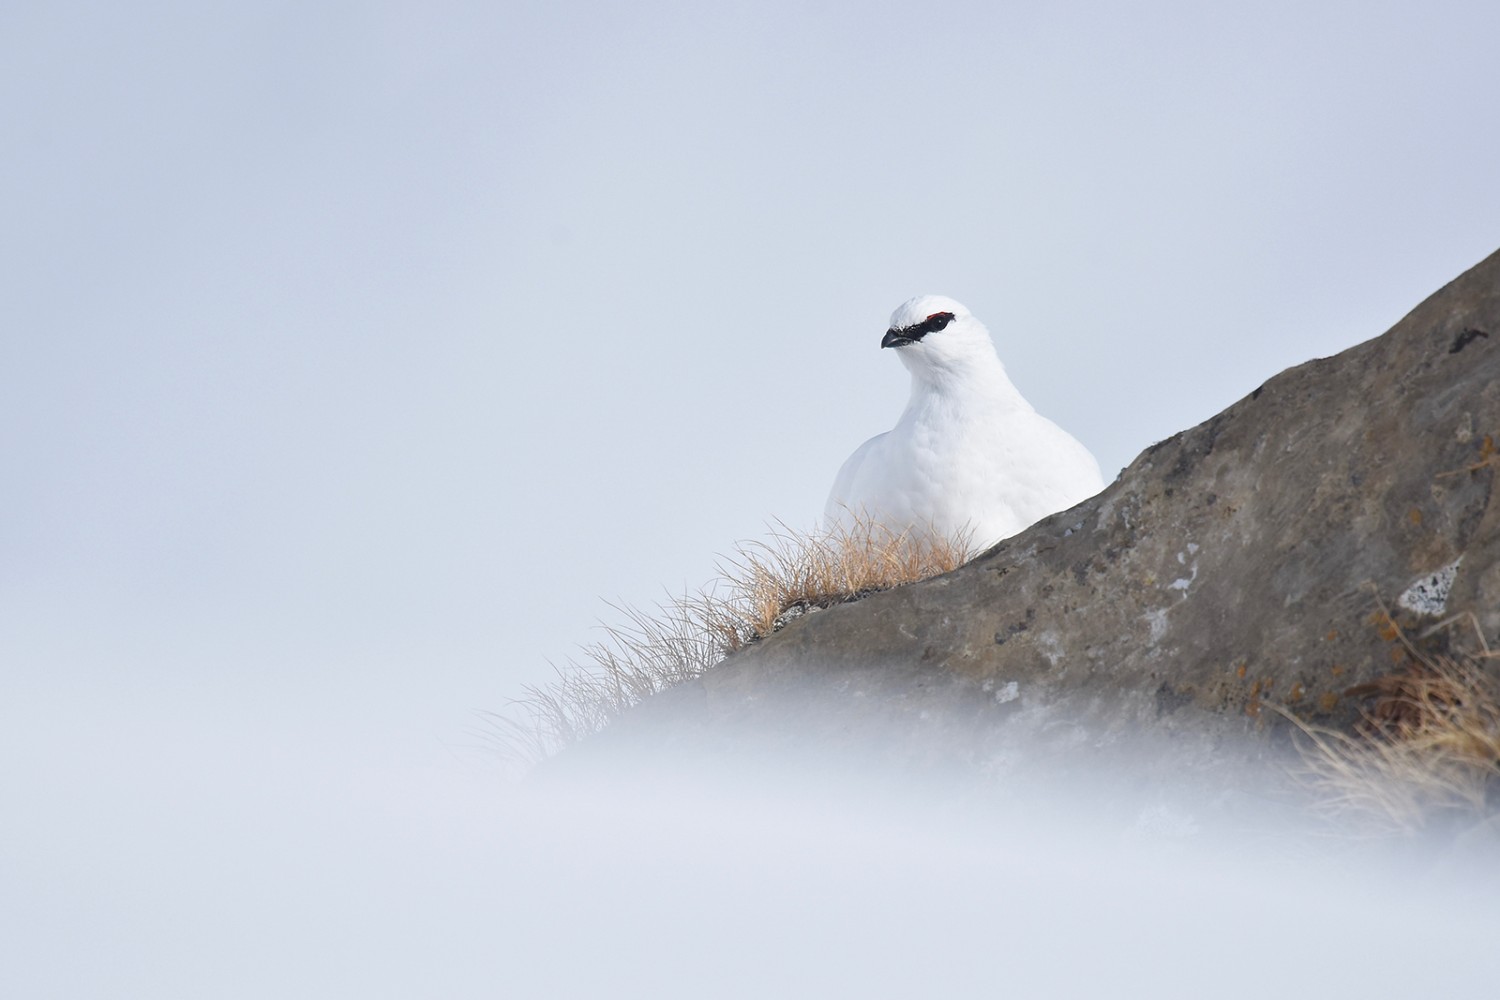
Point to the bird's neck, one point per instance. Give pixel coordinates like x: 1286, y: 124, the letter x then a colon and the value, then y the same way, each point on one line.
x: 979, y: 384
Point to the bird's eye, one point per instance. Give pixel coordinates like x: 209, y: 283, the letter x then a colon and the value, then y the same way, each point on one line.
x: 937, y: 321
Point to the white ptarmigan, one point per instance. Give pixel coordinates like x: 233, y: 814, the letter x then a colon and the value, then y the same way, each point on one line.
x: 969, y: 454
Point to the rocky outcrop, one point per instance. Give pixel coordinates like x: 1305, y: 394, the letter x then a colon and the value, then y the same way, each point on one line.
x: 1232, y: 566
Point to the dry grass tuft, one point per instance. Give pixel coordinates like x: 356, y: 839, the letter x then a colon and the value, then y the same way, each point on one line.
x: 764, y: 586
x: 645, y: 654
x: 1427, y: 747
x: 772, y: 582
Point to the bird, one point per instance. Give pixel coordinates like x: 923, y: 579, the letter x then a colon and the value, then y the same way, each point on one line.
x: 969, y: 457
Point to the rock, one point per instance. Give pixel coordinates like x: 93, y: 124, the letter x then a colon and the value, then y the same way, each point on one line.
x: 1234, y: 566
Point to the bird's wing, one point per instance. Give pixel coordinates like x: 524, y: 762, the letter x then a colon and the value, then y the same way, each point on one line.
x: 844, y: 498
x: 1058, y: 464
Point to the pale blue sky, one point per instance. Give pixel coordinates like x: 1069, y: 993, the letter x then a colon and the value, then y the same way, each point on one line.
x: 354, y: 353
x: 388, y: 339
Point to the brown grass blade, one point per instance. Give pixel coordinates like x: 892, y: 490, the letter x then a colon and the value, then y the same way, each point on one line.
x: 765, y: 585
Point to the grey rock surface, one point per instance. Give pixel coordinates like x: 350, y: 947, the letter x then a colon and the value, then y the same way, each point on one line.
x: 1143, y: 633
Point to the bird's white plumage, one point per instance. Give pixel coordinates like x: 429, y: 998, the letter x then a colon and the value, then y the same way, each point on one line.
x: 968, y: 453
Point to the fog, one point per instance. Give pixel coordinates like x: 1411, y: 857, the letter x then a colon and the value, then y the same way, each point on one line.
x: 354, y: 355
x: 190, y: 863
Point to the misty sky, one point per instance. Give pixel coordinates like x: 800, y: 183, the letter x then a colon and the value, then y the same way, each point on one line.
x: 355, y: 354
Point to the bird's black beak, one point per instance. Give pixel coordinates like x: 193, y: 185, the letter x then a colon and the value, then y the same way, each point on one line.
x: 895, y: 338
x: 900, y: 336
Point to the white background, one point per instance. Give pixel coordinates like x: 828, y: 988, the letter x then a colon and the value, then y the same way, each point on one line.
x: 352, y: 355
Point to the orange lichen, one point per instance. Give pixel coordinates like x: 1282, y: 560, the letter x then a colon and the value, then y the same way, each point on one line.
x: 1252, y: 706
x: 1385, y: 627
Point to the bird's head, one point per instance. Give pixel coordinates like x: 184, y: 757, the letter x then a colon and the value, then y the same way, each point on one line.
x: 935, y: 337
